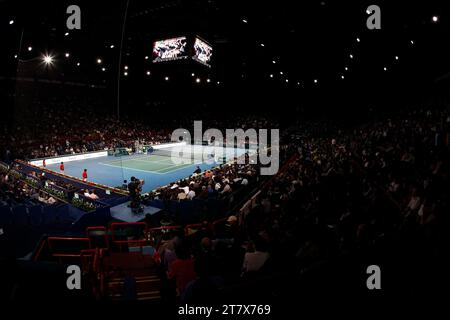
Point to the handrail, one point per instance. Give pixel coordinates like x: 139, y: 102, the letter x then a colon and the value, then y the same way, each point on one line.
x: 166, y: 228
x: 98, y: 228
x: 39, y: 251
x: 192, y: 226
x: 120, y: 242
x: 49, y: 239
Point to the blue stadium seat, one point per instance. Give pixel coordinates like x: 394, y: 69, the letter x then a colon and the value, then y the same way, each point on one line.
x: 5, y: 216
x: 186, y: 212
x: 215, y: 208
x: 20, y: 214
x: 172, y: 206
x: 35, y: 213
x: 48, y: 215
x: 157, y: 204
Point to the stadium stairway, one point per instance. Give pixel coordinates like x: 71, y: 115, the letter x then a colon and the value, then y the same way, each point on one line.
x: 135, y: 277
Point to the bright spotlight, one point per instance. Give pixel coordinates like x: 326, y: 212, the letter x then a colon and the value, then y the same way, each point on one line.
x: 99, y: 61
x: 197, y: 80
x: 166, y: 78
x: 435, y: 19
x: 11, y: 21
x: 30, y: 48
x: 67, y: 55
x: 48, y: 59
x: 148, y: 73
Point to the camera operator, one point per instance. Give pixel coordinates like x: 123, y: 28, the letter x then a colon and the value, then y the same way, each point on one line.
x: 135, y: 188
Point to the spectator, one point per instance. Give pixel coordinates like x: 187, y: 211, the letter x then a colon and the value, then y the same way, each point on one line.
x: 93, y: 195
x: 255, y: 257
x: 182, y: 269
x: 197, y: 170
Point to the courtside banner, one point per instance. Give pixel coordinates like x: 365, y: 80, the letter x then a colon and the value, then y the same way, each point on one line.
x: 168, y: 145
x: 68, y: 158
x: 90, y: 155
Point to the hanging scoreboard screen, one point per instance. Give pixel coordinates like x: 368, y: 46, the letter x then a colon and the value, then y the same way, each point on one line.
x: 183, y: 47
x: 170, y: 49
x: 202, y: 52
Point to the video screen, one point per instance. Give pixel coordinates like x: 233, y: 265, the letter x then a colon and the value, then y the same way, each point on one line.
x: 203, y: 52
x: 170, y: 49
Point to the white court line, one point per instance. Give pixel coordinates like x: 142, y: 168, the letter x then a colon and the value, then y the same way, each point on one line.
x: 148, y: 171
x: 167, y: 159
x: 181, y: 166
x: 111, y: 165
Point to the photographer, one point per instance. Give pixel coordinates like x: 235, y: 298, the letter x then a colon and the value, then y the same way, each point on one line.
x: 135, y: 188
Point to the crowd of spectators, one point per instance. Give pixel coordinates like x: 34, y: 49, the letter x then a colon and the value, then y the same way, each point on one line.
x: 61, y: 130
x: 58, y: 126
x: 14, y: 191
x: 377, y: 194
x: 220, y: 181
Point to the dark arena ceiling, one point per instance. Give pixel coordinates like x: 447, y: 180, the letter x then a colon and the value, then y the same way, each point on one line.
x: 310, y: 51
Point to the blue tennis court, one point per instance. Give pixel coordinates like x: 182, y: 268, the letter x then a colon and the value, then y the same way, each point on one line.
x: 157, y: 170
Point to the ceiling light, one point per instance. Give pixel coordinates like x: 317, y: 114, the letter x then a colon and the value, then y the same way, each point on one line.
x: 48, y: 59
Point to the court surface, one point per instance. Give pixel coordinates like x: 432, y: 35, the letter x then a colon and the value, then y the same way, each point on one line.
x: 155, y: 169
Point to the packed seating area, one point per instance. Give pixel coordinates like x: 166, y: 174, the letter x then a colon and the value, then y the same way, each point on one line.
x: 378, y: 191
x: 375, y: 192
x: 56, y: 133
x: 69, y: 126
x: 209, y: 159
